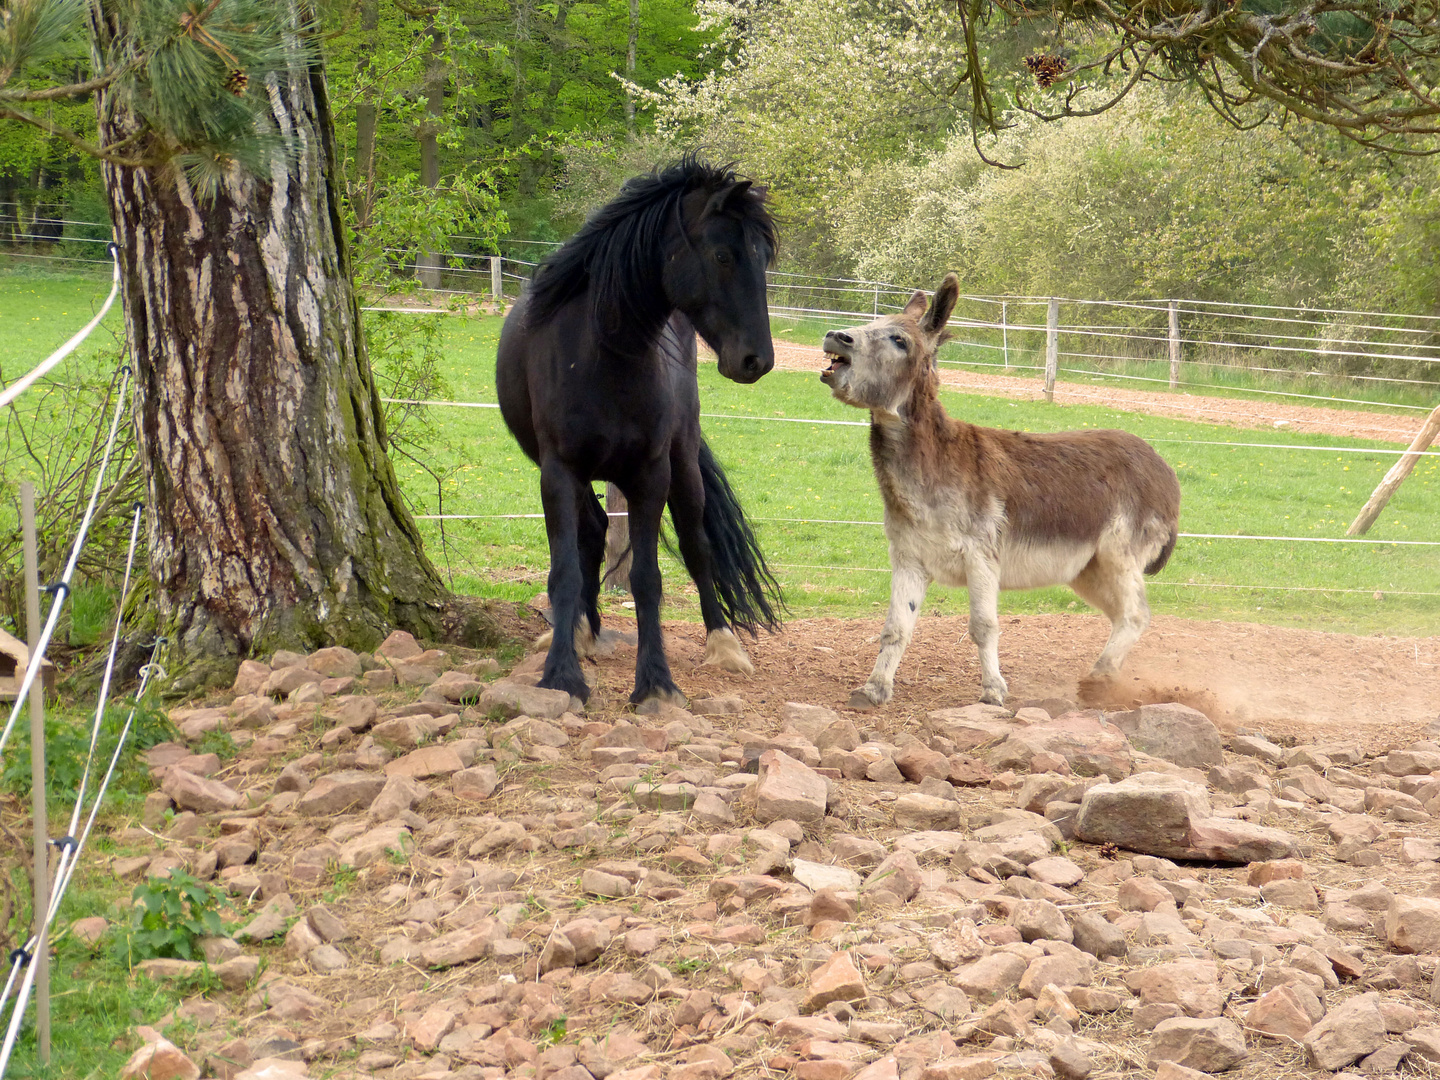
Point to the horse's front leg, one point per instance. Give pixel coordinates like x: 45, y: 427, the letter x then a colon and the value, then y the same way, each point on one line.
x: 646, y: 494
x: 561, y: 492
x: 907, y: 593
x: 687, y: 509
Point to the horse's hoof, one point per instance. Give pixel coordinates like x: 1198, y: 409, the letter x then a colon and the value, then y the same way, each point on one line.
x: 542, y: 643
x: 577, y: 688
x: 671, y: 696
x: 723, y: 649
x: 992, y: 697
x: 1096, y: 690
x: 576, y: 705
x: 861, y: 700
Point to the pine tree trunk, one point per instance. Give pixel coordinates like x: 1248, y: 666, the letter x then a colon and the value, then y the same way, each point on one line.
x: 274, y: 516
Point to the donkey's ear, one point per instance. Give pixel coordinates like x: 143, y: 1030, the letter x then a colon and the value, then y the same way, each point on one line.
x: 725, y: 197
x: 943, y: 304
x: 916, y: 307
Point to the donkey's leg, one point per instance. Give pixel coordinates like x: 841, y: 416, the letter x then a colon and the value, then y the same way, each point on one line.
x: 646, y: 494
x: 982, y: 575
x: 687, y: 510
x: 907, y: 593
x: 1113, y: 582
x: 560, y: 491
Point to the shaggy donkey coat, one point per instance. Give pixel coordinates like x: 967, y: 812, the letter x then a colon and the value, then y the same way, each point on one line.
x: 992, y: 510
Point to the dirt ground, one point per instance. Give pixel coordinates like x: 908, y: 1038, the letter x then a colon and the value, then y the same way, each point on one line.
x: 1394, y: 426
x: 1289, y: 684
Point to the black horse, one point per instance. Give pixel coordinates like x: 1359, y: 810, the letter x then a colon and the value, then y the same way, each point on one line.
x: 596, y: 376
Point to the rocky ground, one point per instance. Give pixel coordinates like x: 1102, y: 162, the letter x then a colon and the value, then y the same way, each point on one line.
x: 445, y: 872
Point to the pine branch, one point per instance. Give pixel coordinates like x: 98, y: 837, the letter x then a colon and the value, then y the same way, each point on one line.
x: 9, y: 112
x: 54, y: 93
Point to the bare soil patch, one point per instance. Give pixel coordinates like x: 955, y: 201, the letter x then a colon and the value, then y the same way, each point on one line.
x: 1388, y: 426
x: 1290, y: 683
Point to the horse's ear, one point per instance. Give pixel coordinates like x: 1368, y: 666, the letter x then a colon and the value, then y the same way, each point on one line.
x: 725, y: 198
x: 941, y: 307
x: 916, y: 307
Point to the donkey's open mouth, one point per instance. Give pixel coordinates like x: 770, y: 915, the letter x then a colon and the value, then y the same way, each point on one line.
x: 838, y: 364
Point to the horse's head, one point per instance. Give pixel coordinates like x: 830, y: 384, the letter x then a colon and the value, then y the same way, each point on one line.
x: 715, y: 274
x: 875, y: 366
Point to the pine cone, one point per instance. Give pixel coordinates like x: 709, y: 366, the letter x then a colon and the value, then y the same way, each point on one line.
x: 237, y: 82
x: 1046, y: 68
x: 1109, y: 851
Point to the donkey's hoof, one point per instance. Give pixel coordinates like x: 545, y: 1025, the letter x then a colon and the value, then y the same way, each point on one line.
x: 723, y: 649
x: 1097, y: 690
x: 992, y: 697
x: 861, y: 700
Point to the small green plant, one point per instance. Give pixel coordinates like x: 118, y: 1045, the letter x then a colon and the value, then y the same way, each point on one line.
x: 687, y: 965
x: 169, y: 916
x: 219, y: 743
x: 342, y: 879
x: 554, y: 1033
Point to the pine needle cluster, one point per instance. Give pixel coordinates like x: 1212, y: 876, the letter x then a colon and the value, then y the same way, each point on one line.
x: 191, y: 78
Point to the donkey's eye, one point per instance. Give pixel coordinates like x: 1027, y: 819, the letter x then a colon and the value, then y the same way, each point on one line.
x: 899, y: 339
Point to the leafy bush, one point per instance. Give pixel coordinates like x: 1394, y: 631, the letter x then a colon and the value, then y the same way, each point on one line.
x: 169, y: 917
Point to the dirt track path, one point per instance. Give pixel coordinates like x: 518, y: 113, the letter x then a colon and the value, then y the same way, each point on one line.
x: 1397, y: 426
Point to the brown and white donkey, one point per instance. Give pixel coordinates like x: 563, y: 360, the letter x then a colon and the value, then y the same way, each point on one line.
x: 990, y: 510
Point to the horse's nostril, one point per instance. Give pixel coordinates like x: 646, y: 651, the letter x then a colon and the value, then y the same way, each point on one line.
x: 751, y: 364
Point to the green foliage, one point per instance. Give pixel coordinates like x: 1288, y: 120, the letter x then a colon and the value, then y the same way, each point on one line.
x: 169, y: 916
x: 553, y: 1034
x: 219, y: 743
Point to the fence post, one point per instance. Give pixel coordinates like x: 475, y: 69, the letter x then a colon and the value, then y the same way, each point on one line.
x: 1004, y: 333
x: 41, y: 959
x: 1395, y: 476
x: 497, y: 286
x: 617, y: 541
x: 1174, y: 346
x: 1052, y: 348
x: 877, y: 301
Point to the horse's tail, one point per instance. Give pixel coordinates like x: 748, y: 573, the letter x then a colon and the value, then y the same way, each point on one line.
x: 749, y: 595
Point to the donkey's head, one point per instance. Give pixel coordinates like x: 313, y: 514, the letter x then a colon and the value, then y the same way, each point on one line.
x: 876, y: 366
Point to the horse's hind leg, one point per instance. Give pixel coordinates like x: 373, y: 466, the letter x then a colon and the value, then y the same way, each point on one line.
x: 687, y: 509
x: 562, y: 493
x: 646, y: 495
x: 593, y: 523
x: 1114, y: 584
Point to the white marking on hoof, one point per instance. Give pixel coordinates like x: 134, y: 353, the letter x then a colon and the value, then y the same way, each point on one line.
x: 542, y: 643
x: 723, y: 649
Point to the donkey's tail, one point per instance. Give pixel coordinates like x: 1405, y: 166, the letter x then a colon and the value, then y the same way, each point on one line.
x: 1158, y: 563
x: 748, y: 593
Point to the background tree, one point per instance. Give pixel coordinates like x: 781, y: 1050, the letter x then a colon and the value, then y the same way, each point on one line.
x: 1368, y: 69
x: 273, y: 513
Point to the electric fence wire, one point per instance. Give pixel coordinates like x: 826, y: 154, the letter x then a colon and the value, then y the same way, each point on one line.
x: 20, y: 385
x: 70, y: 846
x: 62, y: 587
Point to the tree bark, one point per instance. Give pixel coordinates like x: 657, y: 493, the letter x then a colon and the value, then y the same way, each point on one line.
x: 630, y: 63
x: 366, y: 117
x: 273, y: 515
x: 429, y: 262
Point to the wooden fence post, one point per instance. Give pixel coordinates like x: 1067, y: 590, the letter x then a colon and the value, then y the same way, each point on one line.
x: 41, y: 959
x: 497, y: 284
x: 1174, y: 346
x: 617, y: 542
x: 1052, y: 348
x: 1004, y: 333
x: 1395, y: 476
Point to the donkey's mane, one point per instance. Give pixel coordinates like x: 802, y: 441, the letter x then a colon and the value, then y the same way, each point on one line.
x: 617, y: 254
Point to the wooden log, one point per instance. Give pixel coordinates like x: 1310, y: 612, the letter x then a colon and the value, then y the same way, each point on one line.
x: 1396, y: 476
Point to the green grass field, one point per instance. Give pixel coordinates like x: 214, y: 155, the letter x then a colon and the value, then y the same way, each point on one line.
x: 795, y: 476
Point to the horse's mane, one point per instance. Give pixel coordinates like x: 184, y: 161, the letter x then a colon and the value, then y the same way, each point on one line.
x: 616, y: 253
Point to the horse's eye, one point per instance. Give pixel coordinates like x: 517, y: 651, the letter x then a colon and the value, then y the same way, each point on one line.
x: 722, y: 256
